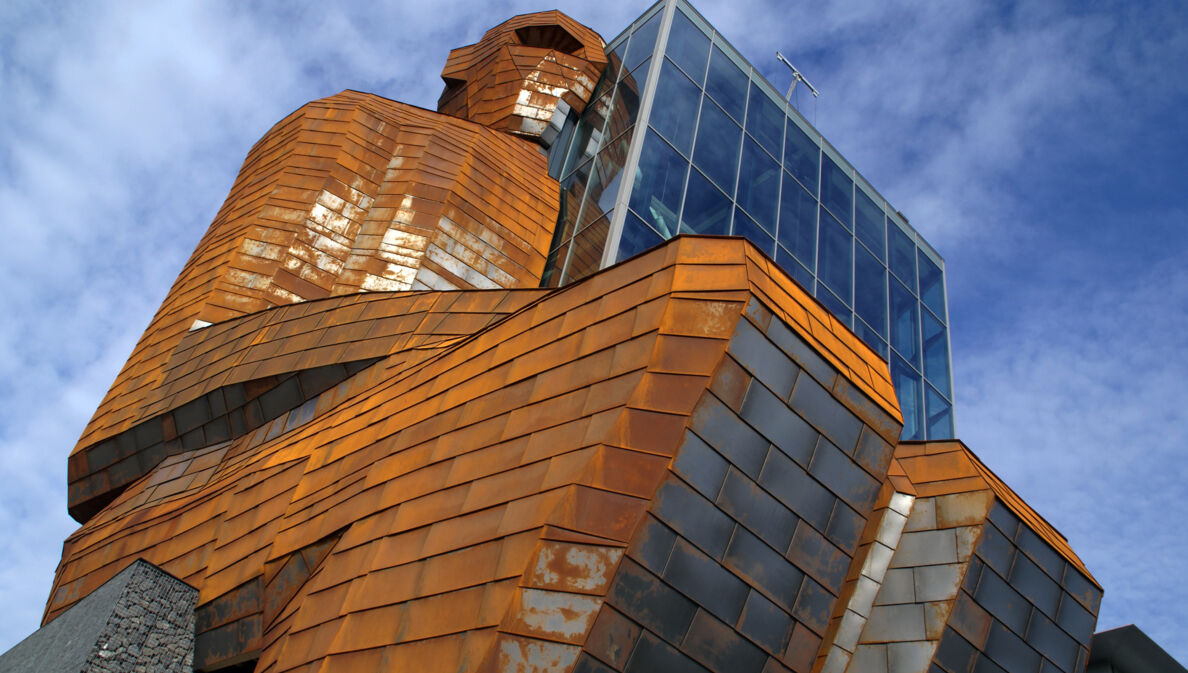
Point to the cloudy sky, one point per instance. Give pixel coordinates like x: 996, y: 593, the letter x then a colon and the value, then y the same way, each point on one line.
x: 1039, y: 147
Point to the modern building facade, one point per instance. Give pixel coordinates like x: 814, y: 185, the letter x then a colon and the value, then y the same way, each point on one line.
x: 415, y: 404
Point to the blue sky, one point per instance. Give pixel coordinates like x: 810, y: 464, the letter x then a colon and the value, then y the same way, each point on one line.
x: 1038, y: 146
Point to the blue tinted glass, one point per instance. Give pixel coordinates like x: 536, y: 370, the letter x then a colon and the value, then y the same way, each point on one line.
x: 871, y: 338
x: 726, y: 83
x: 798, y: 222
x: 759, y: 185
x: 678, y: 116
x: 801, y: 157
x: 905, y: 330
x: 868, y: 224
x: 836, y: 306
x: 656, y: 193
x: 936, y: 353
x: 794, y: 268
x: 716, y: 151
x: 837, y: 190
x: 746, y: 227
x: 604, y: 181
x: 707, y: 209
x: 765, y: 121
x: 940, y: 415
x: 870, y: 290
x: 573, y: 188
x: 907, y: 389
x: 636, y: 237
x: 932, y: 286
x: 589, y: 130
x: 688, y: 46
x: 834, y: 260
x: 626, y: 110
x: 901, y: 255
x: 642, y: 42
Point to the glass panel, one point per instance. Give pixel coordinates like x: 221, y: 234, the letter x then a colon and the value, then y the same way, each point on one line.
x: 940, y: 415
x: 656, y: 193
x: 626, y: 108
x: 637, y: 237
x: 801, y: 157
x: 573, y: 189
x: 745, y: 226
x: 837, y: 190
x: 871, y: 337
x: 765, y: 121
x: 642, y: 42
x: 589, y: 131
x: 901, y: 255
x: 936, y: 353
x: 932, y: 286
x: 726, y: 83
x: 559, y: 150
x: 794, y: 268
x: 678, y: 117
x: 834, y: 261
x: 688, y: 47
x: 836, y: 306
x: 868, y: 224
x: 586, y: 254
x: 905, y: 330
x: 759, y: 185
x: 870, y: 290
x: 907, y: 389
x: 554, y: 264
x: 716, y: 152
x: 798, y: 223
x: 707, y: 209
x: 604, y: 182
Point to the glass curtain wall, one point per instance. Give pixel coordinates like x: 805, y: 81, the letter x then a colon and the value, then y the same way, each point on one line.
x: 710, y: 147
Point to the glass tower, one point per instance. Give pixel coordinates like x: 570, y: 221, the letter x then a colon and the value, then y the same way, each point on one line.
x: 685, y: 136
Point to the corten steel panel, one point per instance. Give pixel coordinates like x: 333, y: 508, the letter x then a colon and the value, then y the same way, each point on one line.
x: 466, y: 503
x: 357, y: 193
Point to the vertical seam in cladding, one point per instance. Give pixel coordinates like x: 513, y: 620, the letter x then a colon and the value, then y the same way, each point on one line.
x: 637, y: 139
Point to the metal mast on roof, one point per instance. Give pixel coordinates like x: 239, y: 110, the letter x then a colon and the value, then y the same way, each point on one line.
x: 797, y: 78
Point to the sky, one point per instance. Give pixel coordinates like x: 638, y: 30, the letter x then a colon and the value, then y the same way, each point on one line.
x: 1039, y: 147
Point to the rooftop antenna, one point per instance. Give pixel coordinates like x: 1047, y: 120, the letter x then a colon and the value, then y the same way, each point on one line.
x: 797, y: 78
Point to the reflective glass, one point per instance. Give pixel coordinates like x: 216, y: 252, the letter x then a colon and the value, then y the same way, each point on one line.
x: 642, y: 42
x: 626, y: 108
x: 659, y: 180
x: 901, y: 255
x: 801, y: 157
x: 907, y: 389
x: 604, y: 182
x: 707, y: 209
x: 573, y: 188
x: 905, y: 330
x: 637, y: 237
x: 746, y: 227
x: 836, y: 306
x: 794, y: 268
x: 870, y: 290
x: 759, y: 185
x: 936, y: 353
x: 798, y: 222
x: 688, y: 47
x: 559, y: 150
x: 588, y: 134
x: 585, y: 256
x: 726, y: 83
x: 932, y: 286
x: 871, y: 337
x: 676, y: 117
x: 834, y: 260
x: 765, y: 121
x: 716, y: 152
x: 837, y: 190
x: 553, y: 265
x: 868, y: 224
x: 940, y: 415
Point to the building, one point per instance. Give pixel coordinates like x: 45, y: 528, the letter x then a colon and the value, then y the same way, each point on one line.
x: 414, y: 403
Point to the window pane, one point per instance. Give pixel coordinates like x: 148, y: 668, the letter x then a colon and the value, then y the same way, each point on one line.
x: 678, y: 117
x: 726, y: 83
x: 835, y: 305
x: 636, y: 237
x: 573, y: 188
x: 688, y: 46
x: 905, y: 331
x: 907, y: 389
x: 936, y: 353
x: 940, y: 415
x: 765, y: 121
x: 870, y: 290
x: 868, y: 224
x: 798, y: 222
x: 834, y: 259
x: 588, y: 134
x: 837, y: 190
x: 794, y: 268
x: 901, y: 255
x: 871, y: 338
x: 932, y: 286
x: 642, y: 41
x: 604, y: 182
x: 759, y: 185
x: 656, y: 193
x: 716, y: 152
x: 626, y: 109
x: 745, y: 226
x: 707, y: 209
x: 586, y: 254
x: 801, y: 157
